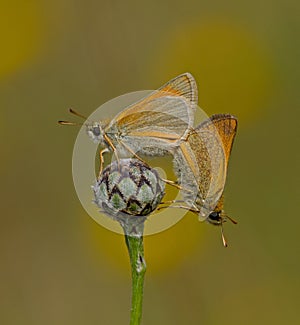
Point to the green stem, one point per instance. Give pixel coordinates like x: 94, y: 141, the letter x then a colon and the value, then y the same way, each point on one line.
x: 138, y: 268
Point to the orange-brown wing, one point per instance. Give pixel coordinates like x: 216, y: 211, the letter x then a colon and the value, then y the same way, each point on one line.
x: 202, y: 161
x: 183, y: 85
x: 220, y: 204
x: 160, y: 122
x: 195, y: 167
x: 226, y: 125
x: 218, y: 133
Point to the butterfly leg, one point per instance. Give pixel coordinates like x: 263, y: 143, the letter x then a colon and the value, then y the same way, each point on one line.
x: 175, y: 184
x: 232, y: 220
x: 172, y: 201
x: 111, y: 145
x: 178, y: 207
x: 102, y: 161
x: 223, y: 236
x: 172, y: 183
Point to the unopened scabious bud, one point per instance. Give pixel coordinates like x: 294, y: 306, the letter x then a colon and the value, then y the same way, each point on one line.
x: 128, y: 188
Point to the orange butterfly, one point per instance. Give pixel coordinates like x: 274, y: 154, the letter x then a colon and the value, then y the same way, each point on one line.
x: 154, y: 125
x: 201, y: 166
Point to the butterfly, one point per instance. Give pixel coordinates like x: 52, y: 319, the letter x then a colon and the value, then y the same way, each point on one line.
x: 200, y: 164
x: 152, y: 126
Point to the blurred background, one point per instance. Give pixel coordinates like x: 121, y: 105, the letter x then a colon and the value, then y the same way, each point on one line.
x: 58, y: 266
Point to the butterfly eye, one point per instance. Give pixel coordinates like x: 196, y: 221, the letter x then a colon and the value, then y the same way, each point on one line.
x: 214, y: 216
x: 96, y: 130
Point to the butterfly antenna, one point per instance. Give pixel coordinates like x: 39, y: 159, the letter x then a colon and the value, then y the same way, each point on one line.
x: 223, y: 237
x: 225, y: 216
x: 69, y: 123
x: 71, y: 110
x: 232, y: 220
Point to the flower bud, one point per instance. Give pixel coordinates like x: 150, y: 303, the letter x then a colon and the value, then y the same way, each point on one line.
x: 128, y: 188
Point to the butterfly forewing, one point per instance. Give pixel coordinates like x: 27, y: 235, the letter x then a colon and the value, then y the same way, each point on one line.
x: 226, y: 125
x: 181, y: 86
x: 161, y: 122
x: 203, y: 161
x: 169, y: 116
x: 161, y: 119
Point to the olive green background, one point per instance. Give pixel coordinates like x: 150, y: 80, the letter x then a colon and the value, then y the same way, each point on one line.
x: 60, y: 267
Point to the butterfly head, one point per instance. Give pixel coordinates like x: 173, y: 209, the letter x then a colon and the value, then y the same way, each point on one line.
x: 217, y: 218
x: 95, y: 132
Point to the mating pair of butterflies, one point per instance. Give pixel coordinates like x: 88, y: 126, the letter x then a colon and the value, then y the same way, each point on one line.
x: 163, y: 123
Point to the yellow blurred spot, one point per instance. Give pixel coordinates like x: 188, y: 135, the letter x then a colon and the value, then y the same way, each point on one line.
x: 232, y: 67
x: 20, y: 34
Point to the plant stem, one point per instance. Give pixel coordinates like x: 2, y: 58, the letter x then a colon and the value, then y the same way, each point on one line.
x: 138, y: 268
